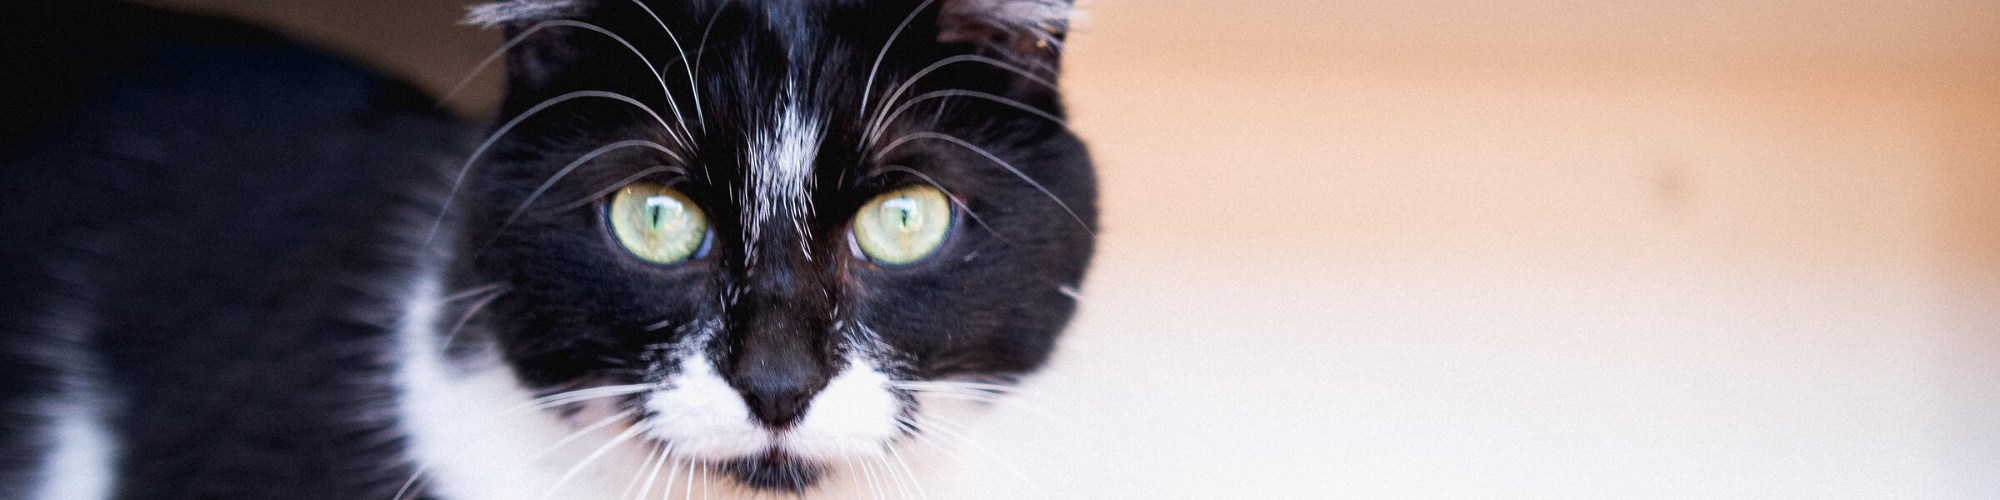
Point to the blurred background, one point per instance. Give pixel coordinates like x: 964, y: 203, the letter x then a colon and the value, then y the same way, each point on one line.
x: 1549, y: 249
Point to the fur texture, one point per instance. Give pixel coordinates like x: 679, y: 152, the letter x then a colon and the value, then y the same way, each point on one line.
x: 303, y: 283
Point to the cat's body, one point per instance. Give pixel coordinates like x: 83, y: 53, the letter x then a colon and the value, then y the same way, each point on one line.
x: 235, y: 268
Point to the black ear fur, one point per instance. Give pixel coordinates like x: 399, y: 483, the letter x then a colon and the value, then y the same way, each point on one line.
x: 532, y: 61
x: 1033, y: 28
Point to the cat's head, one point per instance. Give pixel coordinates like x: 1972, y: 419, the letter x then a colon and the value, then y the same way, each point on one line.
x: 781, y: 223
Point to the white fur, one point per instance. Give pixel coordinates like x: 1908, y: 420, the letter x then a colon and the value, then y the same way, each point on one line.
x: 852, y: 416
x: 82, y: 465
x: 781, y: 169
x: 473, y: 438
x: 703, y: 416
x: 82, y: 461
x: 516, y: 11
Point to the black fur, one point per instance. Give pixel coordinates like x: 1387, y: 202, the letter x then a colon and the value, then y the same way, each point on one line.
x: 988, y: 304
x: 212, y: 195
x: 232, y: 211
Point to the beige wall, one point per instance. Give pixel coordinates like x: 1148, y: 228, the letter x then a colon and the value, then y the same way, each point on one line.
x: 1538, y: 249
x: 1521, y: 249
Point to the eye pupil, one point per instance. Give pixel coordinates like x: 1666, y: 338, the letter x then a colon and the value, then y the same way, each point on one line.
x: 904, y: 211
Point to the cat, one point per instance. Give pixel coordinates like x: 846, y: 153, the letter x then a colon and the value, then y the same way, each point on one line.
x: 710, y: 247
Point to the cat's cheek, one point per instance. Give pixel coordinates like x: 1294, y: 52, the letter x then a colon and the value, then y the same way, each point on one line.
x: 700, y: 415
x: 856, y: 415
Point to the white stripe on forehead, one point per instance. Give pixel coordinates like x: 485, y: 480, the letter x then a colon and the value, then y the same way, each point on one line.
x: 778, y: 181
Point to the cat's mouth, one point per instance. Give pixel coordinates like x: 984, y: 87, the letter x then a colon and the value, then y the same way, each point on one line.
x: 774, y: 470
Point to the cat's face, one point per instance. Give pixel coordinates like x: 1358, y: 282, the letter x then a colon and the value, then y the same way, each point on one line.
x: 766, y: 232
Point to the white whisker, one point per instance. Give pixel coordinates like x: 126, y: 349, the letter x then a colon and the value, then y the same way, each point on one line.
x: 689, y: 495
x: 452, y: 334
x: 955, y: 200
x: 581, y: 395
x: 702, y: 48
x: 875, y: 135
x: 565, y: 171
x: 409, y: 486
x: 874, y: 484
x: 920, y: 74
x: 914, y: 483
x: 588, y: 459
x: 877, y: 67
x: 469, y: 293
x: 509, y: 127
x: 943, y: 427
x: 593, y: 197
x: 689, y: 67
x: 581, y: 432
x: 991, y: 157
x: 523, y: 36
x: 639, y: 473
x: 853, y: 475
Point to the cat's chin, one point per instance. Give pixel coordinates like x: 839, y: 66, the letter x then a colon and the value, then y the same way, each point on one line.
x: 775, y: 471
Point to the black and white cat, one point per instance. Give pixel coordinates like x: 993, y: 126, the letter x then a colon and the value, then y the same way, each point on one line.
x: 714, y: 247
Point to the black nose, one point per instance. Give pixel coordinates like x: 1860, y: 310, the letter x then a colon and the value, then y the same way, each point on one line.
x: 777, y: 372
x: 776, y: 397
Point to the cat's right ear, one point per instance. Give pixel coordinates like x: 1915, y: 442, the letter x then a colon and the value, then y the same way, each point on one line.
x: 1031, y: 28
x: 534, y: 51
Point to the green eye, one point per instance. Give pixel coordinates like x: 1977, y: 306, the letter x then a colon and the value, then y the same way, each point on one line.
x: 657, y: 224
x: 903, y: 226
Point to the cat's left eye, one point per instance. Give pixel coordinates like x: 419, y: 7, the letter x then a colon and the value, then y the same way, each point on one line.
x: 657, y: 223
x: 902, y: 226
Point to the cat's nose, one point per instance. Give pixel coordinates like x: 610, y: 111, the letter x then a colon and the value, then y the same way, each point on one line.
x: 777, y: 399
x: 777, y: 375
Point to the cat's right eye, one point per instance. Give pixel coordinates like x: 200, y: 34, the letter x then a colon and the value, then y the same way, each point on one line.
x: 656, y: 223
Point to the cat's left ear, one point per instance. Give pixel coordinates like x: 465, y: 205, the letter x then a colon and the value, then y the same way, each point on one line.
x: 516, y: 13
x: 1033, y: 28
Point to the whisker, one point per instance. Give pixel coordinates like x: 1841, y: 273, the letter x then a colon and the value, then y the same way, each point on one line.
x: 523, y: 36
x: 409, y: 486
x: 877, y: 67
x: 469, y: 293
x: 920, y: 74
x: 640, y: 473
x: 581, y: 395
x: 666, y: 454
x: 943, y: 427
x: 452, y: 334
x: 902, y: 488
x: 509, y: 127
x: 914, y: 482
x: 704, y: 481
x: 954, y: 199
x: 614, y: 187
x: 588, y: 459
x: 564, y: 172
x: 953, y: 385
x: 965, y: 397
x: 883, y: 127
x: 689, y: 494
x: 995, y: 159
x: 874, y: 485
x: 701, y: 48
x: 690, y: 69
x: 584, y: 431
x: 853, y: 474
